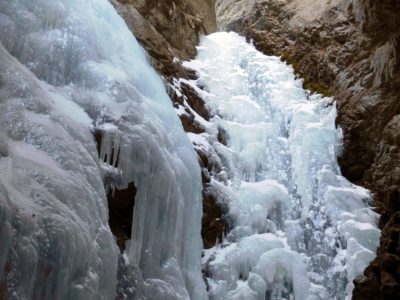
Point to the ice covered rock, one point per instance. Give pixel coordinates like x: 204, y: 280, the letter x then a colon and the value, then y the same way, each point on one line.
x: 299, y: 230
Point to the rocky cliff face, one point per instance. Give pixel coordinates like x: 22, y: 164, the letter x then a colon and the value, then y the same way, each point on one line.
x: 351, y: 50
x: 168, y: 30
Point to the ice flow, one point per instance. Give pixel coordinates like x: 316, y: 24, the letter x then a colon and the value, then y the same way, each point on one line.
x: 299, y: 230
x: 69, y: 67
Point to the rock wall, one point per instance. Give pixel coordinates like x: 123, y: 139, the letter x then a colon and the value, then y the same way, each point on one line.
x: 169, y: 30
x: 349, y: 49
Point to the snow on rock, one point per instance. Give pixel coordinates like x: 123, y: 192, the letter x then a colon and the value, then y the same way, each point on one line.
x: 299, y: 230
x: 69, y: 68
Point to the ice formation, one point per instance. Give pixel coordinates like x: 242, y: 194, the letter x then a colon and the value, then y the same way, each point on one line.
x: 69, y: 67
x: 299, y: 229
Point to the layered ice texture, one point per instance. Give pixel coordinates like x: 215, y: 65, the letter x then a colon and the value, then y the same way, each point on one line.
x: 70, y: 68
x: 299, y: 230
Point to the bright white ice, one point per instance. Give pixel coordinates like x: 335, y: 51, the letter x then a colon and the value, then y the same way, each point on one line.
x: 69, y: 67
x: 299, y: 229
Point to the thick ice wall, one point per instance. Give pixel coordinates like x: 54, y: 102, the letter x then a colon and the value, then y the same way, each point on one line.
x: 91, y: 74
x: 280, y: 172
x: 56, y: 243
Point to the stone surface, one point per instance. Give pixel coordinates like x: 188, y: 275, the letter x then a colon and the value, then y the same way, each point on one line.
x: 350, y: 50
x: 214, y: 226
x: 168, y: 29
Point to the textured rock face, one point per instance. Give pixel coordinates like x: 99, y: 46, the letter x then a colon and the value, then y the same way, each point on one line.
x: 170, y: 31
x: 349, y: 49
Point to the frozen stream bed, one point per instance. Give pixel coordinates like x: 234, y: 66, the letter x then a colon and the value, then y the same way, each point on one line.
x: 299, y: 230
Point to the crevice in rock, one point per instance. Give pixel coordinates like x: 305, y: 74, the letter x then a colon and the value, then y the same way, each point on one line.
x: 97, y: 137
x: 223, y: 137
x: 117, y: 159
x: 121, y: 200
x: 121, y: 203
x: 2, y: 290
x: 214, y: 223
x: 112, y: 155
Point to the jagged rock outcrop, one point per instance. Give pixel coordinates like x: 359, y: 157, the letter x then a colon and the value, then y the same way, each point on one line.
x: 349, y: 49
x: 170, y: 31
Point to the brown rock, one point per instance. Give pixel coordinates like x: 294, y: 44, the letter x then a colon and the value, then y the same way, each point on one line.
x: 190, y: 124
x: 214, y: 224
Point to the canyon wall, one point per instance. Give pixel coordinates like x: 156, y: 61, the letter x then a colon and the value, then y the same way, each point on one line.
x: 350, y: 50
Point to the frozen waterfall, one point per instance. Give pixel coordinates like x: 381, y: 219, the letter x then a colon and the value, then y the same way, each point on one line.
x: 299, y: 229
x: 70, y: 68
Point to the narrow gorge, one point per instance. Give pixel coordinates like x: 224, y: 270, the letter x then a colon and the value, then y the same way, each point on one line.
x: 229, y: 149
